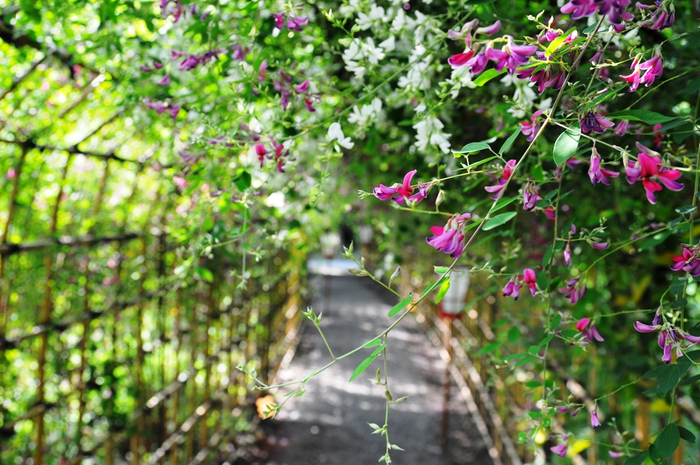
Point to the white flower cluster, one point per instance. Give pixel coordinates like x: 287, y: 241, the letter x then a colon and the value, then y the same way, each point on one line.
x: 366, y: 114
x: 461, y: 77
x: 524, y: 97
x: 335, y: 132
x: 360, y: 50
x: 429, y: 131
x: 418, y: 76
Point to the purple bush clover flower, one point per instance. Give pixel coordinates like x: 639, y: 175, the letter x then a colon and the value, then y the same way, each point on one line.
x: 510, y: 56
x: 595, y: 122
x: 661, y: 18
x: 402, y: 192
x: 560, y: 450
x: 597, y: 173
x: 669, y: 336
x: 530, y: 129
x: 497, y: 189
x: 512, y: 288
x: 450, y: 238
x: 689, y: 261
x: 649, y: 169
x: 652, y: 68
x: 530, y: 278
x: 590, y: 333
x: 574, y: 290
x: 595, y: 422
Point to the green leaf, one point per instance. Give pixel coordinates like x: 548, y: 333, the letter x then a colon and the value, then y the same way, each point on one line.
x: 487, y: 75
x: 514, y: 334
x: 205, y: 274
x: 655, y: 240
x: 365, y: 363
x: 690, y: 380
x: 667, y: 442
x: 509, y: 142
x: 668, y: 380
x: 566, y: 144
x: 525, y: 360
x: 498, y: 220
x: 398, y: 307
x: 637, y: 459
x: 242, y: 180
x: 488, y: 348
x: 687, y: 209
x: 532, y: 384
x: 441, y: 269
x: 602, y: 98
x: 473, y: 147
x: 686, y: 435
x: 554, y: 45
x: 443, y: 290
x: 645, y: 116
x: 655, y: 456
x: 677, y: 286
x: 504, y: 202
x: 373, y: 342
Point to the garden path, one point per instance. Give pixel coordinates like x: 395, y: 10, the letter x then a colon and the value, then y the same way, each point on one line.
x: 328, y: 424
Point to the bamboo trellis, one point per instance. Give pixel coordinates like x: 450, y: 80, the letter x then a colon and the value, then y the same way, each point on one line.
x: 105, y: 357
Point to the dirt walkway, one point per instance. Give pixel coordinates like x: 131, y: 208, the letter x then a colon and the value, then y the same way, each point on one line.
x: 328, y: 424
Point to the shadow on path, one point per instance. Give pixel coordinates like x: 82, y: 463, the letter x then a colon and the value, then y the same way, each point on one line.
x: 328, y: 424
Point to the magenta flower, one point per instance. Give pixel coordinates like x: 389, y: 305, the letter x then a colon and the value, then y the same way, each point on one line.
x: 512, y: 288
x: 477, y: 64
x: 530, y: 129
x: 450, y: 238
x: 597, y: 173
x: 689, y: 261
x: 567, y: 254
x: 560, y: 450
x: 530, y: 196
x: 507, y: 173
x: 165, y: 81
x: 614, y: 9
x: 303, y: 87
x: 402, y: 192
x: 490, y: 30
x: 460, y: 59
x: 648, y: 168
x: 261, y: 151
x: 660, y: 18
x: 652, y: 68
x: 613, y: 454
x: 582, y: 324
x: 530, y: 279
x: 622, y: 127
x: 574, y: 290
x: 295, y: 24
x: 279, y: 20
x: 594, y: 419
x: 595, y: 122
x: 510, y: 56
x: 590, y: 333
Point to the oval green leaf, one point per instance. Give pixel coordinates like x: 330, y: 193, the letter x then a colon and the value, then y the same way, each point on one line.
x: 498, y: 220
x: 566, y: 145
x: 398, y: 307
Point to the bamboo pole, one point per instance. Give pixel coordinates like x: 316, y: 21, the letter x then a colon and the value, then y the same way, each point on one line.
x: 45, y: 318
x: 3, y: 239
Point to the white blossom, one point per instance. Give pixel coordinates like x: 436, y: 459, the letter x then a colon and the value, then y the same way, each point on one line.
x: 375, y: 17
x: 429, y: 131
x: 461, y: 77
x: 358, y: 50
x: 335, y: 132
x: 367, y: 114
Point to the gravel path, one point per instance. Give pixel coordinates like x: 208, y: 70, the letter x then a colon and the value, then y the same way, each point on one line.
x: 328, y: 424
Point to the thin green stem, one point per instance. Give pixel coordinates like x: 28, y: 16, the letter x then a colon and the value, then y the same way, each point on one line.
x: 324, y: 339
